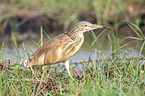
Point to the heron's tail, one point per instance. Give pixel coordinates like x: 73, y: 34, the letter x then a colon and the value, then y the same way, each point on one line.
x: 26, y: 62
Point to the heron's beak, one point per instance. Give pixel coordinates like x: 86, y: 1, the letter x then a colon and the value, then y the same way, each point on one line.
x: 99, y: 26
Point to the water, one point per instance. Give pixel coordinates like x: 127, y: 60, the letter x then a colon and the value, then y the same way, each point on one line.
x: 81, y: 55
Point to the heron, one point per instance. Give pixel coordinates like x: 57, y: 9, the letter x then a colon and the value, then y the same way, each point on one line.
x: 62, y: 47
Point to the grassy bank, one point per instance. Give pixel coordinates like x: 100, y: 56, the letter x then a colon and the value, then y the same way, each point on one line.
x: 120, y: 73
x: 113, y: 77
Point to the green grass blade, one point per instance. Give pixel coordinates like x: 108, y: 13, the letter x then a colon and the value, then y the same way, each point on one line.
x: 41, y: 31
x: 2, y: 48
x: 40, y: 84
x: 49, y: 38
x: 95, y: 38
x: 24, y: 48
x: 15, y: 43
x: 135, y: 38
x: 1, y: 90
x: 29, y: 48
x: 136, y: 30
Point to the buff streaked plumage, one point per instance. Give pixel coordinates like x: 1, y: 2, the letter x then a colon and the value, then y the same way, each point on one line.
x: 55, y: 50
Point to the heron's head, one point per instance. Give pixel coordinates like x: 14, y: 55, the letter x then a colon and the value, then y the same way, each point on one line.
x: 84, y: 26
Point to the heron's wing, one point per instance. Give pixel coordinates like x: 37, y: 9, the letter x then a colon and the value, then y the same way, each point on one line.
x: 51, y: 51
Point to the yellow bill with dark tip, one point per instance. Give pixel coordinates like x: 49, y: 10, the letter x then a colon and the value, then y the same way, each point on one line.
x: 99, y: 26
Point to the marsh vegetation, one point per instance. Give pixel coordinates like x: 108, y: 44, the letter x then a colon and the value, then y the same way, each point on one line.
x: 119, y: 72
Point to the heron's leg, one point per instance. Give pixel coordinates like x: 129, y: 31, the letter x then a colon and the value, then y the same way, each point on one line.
x: 44, y: 68
x: 67, y: 68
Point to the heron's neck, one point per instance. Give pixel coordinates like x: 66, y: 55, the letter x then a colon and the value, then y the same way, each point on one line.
x: 75, y: 34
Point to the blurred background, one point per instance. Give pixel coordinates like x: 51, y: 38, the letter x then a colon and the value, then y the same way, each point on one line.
x: 25, y: 18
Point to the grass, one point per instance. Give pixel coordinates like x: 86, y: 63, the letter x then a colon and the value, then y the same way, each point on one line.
x: 121, y: 73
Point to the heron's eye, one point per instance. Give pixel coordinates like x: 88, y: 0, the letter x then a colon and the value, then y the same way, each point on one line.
x: 86, y: 25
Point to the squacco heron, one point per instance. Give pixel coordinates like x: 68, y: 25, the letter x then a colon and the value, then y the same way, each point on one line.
x: 62, y: 47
